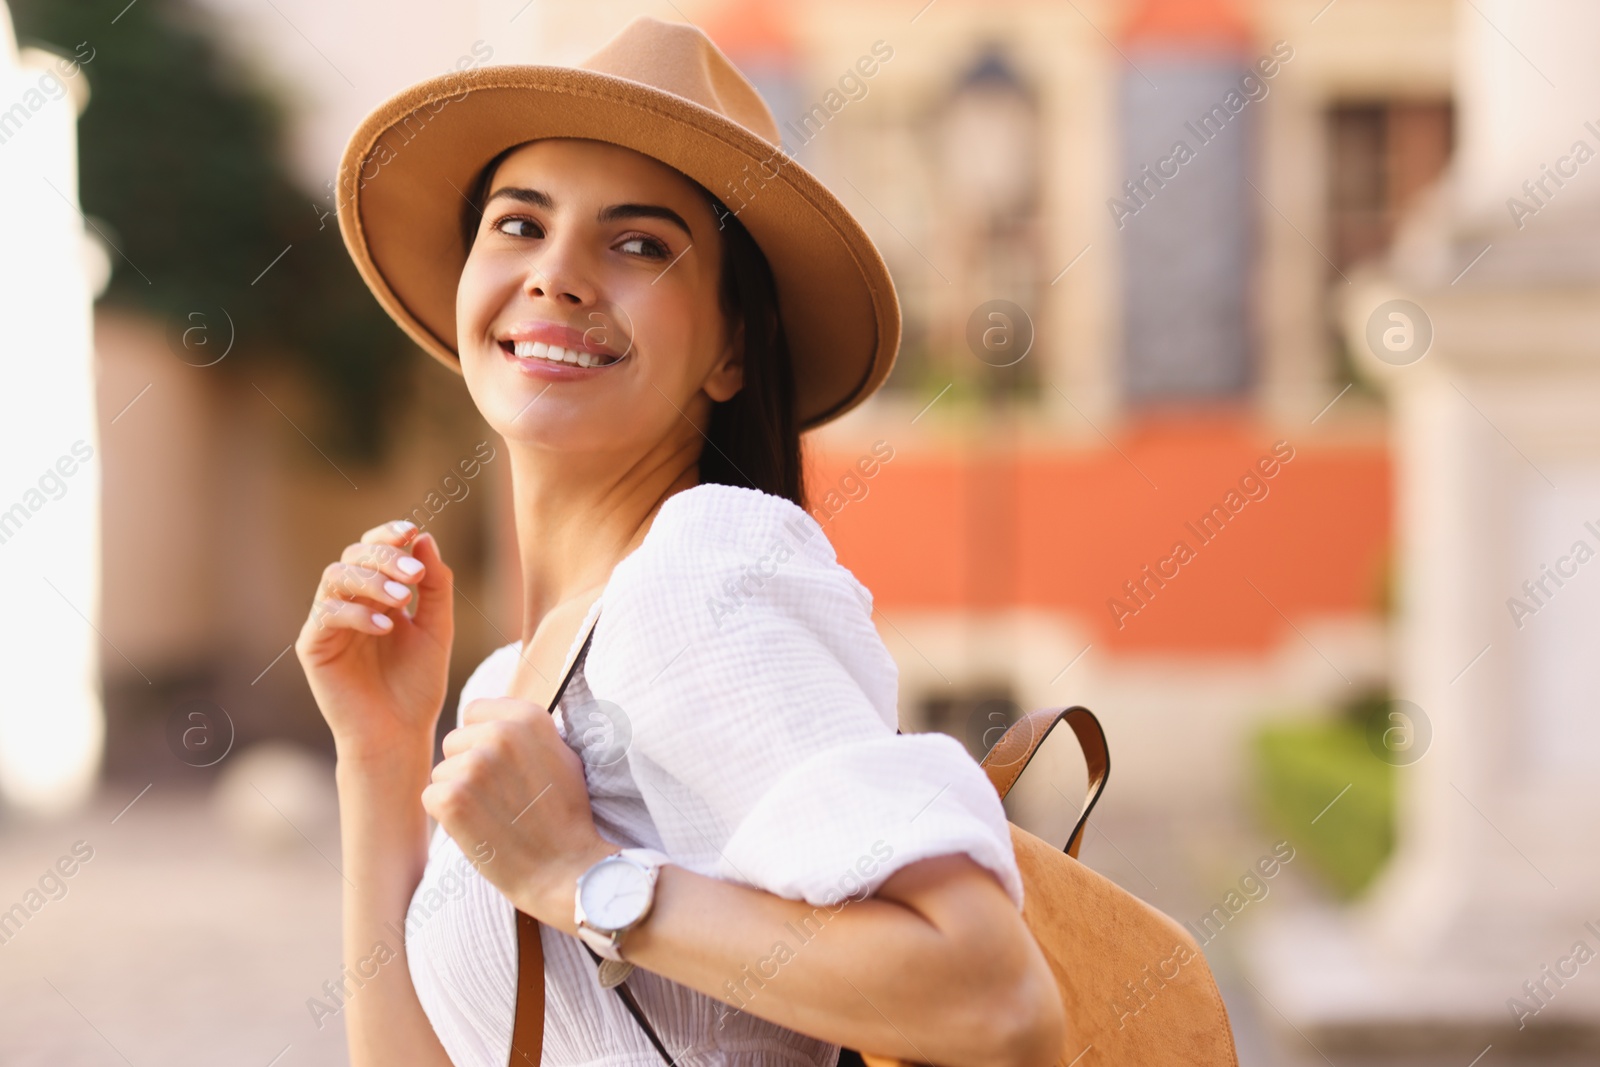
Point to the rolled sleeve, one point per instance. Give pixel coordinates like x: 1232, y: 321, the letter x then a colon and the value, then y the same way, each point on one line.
x: 844, y: 819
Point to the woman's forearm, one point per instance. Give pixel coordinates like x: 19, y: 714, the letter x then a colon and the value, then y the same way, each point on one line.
x: 384, y: 841
x: 963, y: 985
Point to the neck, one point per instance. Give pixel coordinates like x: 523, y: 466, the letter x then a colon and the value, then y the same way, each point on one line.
x: 577, y: 516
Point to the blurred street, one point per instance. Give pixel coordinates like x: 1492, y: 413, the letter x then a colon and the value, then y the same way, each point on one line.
x: 183, y: 944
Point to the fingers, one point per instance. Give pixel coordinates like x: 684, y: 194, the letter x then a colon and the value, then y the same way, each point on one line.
x: 492, y: 709
x: 384, y: 547
x: 482, y: 723
x: 390, y: 568
x: 456, y: 763
x: 350, y: 615
x: 435, y: 587
x: 492, y: 731
x: 372, y: 577
x: 346, y: 581
x: 467, y: 744
x: 376, y: 568
x: 398, y: 532
x: 463, y: 738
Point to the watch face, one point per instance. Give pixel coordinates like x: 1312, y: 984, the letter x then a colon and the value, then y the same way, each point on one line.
x: 615, y: 894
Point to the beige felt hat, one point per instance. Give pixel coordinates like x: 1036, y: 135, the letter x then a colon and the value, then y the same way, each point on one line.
x: 660, y: 88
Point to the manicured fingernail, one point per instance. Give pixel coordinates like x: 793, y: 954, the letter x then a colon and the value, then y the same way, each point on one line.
x: 381, y: 621
x: 396, y: 590
x: 409, y: 564
x: 401, y: 526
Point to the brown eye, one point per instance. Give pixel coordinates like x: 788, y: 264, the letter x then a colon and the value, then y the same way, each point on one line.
x: 654, y: 248
x: 501, y: 225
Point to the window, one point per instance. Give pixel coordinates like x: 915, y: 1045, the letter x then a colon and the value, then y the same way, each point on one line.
x: 1381, y: 155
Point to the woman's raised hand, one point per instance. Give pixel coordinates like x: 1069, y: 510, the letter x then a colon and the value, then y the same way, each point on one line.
x: 379, y: 674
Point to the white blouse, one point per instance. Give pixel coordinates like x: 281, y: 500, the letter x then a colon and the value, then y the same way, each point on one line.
x: 737, y: 711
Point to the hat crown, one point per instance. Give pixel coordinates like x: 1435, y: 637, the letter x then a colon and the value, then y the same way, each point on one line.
x: 678, y: 58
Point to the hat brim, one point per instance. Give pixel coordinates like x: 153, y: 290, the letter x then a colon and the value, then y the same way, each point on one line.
x: 404, y: 177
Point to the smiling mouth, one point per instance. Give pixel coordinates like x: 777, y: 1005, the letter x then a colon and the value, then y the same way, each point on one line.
x: 577, y: 357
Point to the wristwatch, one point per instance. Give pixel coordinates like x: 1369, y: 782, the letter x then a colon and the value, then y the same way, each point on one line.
x: 612, y: 897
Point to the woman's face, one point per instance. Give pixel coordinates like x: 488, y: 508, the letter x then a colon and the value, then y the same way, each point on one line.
x: 602, y: 255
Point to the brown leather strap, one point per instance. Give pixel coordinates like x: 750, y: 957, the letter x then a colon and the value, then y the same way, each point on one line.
x: 527, y: 1032
x: 527, y: 1028
x: 1004, y: 764
x: 1011, y: 754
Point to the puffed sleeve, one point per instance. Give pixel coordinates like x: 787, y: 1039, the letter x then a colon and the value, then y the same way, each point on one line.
x: 761, y: 705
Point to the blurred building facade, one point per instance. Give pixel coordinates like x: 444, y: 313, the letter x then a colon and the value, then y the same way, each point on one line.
x: 1164, y: 330
x: 1174, y: 307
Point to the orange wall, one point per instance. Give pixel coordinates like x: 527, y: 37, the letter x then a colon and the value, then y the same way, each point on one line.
x: 1189, y: 24
x: 1063, y: 530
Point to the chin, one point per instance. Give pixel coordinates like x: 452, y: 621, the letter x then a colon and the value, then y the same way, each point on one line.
x: 516, y: 416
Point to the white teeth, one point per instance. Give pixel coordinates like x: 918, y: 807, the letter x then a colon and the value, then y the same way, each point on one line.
x: 557, y: 354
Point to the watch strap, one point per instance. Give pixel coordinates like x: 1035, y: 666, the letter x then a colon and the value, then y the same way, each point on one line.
x: 612, y: 972
x: 652, y: 856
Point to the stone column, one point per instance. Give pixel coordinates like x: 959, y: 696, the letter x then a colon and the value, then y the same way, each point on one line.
x: 1484, y: 328
x: 52, y: 724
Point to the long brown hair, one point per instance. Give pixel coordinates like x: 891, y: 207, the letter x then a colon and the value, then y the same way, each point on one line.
x: 753, y: 439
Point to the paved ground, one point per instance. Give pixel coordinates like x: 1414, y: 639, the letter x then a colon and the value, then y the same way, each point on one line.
x: 179, y: 942
x: 176, y: 944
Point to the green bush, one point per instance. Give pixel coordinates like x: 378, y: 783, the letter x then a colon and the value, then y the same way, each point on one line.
x: 1300, y: 767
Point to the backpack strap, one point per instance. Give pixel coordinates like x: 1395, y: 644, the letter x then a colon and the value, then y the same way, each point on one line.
x: 527, y: 1027
x: 1010, y: 755
x: 527, y: 1032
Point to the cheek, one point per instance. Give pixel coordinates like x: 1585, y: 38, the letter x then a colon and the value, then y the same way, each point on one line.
x: 479, y: 292
x: 668, y: 327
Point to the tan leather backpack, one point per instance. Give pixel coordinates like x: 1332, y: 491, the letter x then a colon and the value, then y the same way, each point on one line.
x: 1134, y: 983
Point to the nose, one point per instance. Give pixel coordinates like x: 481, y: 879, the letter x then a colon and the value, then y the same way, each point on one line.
x: 562, y: 271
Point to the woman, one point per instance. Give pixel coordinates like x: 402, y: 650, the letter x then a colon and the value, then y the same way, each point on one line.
x: 728, y: 731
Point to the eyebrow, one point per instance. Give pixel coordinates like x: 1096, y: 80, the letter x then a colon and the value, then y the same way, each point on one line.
x: 539, y: 198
